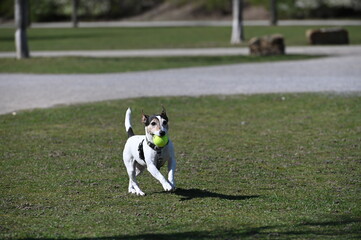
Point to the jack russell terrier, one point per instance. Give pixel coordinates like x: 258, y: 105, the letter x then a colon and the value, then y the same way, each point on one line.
x: 140, y: 152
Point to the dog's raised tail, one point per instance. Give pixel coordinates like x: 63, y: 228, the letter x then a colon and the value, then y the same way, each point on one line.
x: 127, y: 122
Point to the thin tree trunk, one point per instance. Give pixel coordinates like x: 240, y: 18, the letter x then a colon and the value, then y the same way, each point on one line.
x: 273, y: 10
x: 74, y: 16
x: 237, y: 24
x: 28, y: 14
x: 21, y: 40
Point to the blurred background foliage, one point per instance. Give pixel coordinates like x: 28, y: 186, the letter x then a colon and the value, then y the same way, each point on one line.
x: 60, y: 10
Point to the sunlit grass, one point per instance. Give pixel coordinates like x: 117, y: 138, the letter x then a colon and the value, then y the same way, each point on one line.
x: 109, y: 65
x: 149, y: 38
x: 262, y: 166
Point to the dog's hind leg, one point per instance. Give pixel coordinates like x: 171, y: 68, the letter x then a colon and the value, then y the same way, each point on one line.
x: 133, y: 185
x: 139, y: 169
x: 131, y: 188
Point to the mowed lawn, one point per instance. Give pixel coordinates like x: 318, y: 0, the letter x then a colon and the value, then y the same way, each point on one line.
x: 62, y: 65
x: 142, y: 38
x: 148, y: 38
x: 276, y: 166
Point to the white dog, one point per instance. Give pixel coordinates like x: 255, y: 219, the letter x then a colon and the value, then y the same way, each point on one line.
x: 141, y: 153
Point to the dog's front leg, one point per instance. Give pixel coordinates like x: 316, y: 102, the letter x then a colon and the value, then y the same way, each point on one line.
x: 171, y: 169
x: 158, y: 175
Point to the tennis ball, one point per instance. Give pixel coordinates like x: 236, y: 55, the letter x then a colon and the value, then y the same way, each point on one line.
x: 160, y: 141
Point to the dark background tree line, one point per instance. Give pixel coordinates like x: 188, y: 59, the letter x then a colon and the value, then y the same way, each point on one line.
x: 60, y: 10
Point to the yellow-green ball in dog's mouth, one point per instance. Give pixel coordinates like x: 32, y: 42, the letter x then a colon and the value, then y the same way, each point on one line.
x: 160, y: 141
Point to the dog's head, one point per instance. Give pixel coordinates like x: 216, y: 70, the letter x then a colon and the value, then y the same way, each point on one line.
x: 156, y: 124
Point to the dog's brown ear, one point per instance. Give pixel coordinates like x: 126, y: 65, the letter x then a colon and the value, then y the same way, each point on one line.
x: 164, y: 113
x: 145, y: 119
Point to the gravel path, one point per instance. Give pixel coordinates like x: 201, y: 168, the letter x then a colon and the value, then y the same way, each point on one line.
x: 312, y: 50
x: 340, y: 74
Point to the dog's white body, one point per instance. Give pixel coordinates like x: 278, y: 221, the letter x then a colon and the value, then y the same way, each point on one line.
x: 153, y: 160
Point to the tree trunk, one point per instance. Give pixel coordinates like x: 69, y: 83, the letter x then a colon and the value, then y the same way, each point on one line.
x: 21, y: 40
x: 273, y: 10
x: 74, y: 16
x: 237, y: 24
x: 28, y: 14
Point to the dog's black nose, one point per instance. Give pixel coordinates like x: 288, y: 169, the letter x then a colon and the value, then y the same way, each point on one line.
x: 162, y: 133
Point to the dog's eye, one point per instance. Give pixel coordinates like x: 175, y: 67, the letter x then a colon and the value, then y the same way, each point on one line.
x: 165, y: 123
x: 153, y: 123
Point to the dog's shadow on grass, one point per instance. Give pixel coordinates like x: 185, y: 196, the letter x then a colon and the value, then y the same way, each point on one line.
x: 189, y: 194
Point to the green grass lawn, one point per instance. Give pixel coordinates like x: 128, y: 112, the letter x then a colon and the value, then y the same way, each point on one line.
x: 110, y: 65
x: 147, y: 38
x: 260, y: 166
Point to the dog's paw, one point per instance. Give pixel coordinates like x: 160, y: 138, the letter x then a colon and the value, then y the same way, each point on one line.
x: 168, y: 187
x: 172, y: 183
x: 138, y: 193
